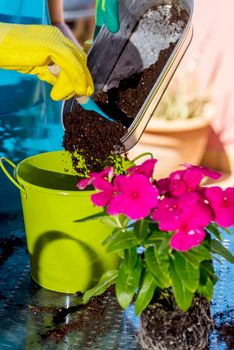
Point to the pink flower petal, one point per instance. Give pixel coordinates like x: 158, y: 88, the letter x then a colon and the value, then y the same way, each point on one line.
x: 183, y: 213
x: 107, y: 172
x: 189, y: 179
x: 136, y: 194
x: 115, y: 206
x: 163, y: 185
x: 146, y: 168
x: 184, y: 181
x: 222, y: 202
x: 83, y: 183
x: 177, y: 185
x: 184, y: 241
x: 167, y: 214
x: 192, y: 177
x: 102, y: 184
x: 205, y: 171
x: 101, y: 199
x: 120, y: 182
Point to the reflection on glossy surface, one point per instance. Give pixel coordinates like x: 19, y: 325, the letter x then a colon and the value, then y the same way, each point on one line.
x: 32, y: 317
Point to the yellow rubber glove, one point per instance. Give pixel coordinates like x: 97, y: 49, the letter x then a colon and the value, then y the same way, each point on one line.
x: 32, y: 48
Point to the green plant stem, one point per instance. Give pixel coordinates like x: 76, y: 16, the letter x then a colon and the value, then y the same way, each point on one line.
x: 143, y: 155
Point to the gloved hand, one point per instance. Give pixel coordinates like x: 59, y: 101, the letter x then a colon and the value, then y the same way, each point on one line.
x: 107, y: 12
x: 33, y: 48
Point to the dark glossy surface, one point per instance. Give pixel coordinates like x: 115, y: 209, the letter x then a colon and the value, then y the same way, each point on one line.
x: 24, y: 325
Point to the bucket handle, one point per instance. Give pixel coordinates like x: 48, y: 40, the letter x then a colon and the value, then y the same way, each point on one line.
x: 11, y: 178
x: 143, y: 155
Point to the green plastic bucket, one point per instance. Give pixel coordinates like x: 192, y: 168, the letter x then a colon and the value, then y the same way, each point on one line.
x: 65, y: 256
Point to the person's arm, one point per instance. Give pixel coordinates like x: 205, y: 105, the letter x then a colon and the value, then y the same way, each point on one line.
x: 57, y: 19
x: 56, y: 11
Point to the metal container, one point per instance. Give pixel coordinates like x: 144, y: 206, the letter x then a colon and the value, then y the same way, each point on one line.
x: 108, y: 50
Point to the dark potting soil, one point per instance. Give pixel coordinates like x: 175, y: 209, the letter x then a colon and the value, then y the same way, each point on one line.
x: 94, y: 137
x: 124, y: 102
x: 163, y: 328
x: 226, y: 335
x: 224, y: 327
x: 82, y: 317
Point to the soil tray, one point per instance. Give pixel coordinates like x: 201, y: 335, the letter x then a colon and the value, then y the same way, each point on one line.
x: 132, y: 68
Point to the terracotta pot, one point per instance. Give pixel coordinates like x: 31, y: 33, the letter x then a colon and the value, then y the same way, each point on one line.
x: 164, y: 329
x: 174, y: 143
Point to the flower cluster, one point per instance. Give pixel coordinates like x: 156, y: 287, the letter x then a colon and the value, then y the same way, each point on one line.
x: 179, y: 204
x: 165, y: 231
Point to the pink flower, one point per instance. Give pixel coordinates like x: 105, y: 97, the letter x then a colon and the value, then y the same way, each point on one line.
x: 222, y: 202
x: 186, y: 240
x: 102, y: 198
x: 215, y: 175
x: 199, y: 216
x: 107, y: 172
x: 167, y: 214
x: 184, y: 213
x: 136, y: 196
x: 183, y: 181
x: 189, y: 179
x: 163, y: 186
x: 146, y: 168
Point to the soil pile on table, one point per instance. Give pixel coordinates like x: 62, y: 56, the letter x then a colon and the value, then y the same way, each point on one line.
x: 94, y: 319
x: 95, y: 138
x: 224, y: 326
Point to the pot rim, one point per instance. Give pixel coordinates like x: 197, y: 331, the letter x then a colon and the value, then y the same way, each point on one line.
x: 31, y: 186
x: 161, y: 125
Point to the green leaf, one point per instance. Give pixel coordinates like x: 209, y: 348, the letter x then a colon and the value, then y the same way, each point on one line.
x: 121, y: 241
x: 186, y: 272
x: 201, y: 252
x: 209, y: 269
x: 191, y: 259
x: 218, y: 248
x: 121, y: 254
x: 158, y: 264
x: 141, y: 230
x: 92, y: 217
x: 183, y: 296
x: 131, y: 258
x: 196, y: 255
x: 162, y: 247
x: 157, y: 236
x: 107, y: 279
x: 110, y: 237
x: 146, y: 293
x: 213, y: 228
x: 207, y: 290
x: 124, y: 220
x: 127, y: 283
x: 203, y: 277
x: 227, y: 230
x: 119, y: 221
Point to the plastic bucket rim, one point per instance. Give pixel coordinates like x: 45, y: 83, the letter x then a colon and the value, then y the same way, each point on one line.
x: 30, y: 185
